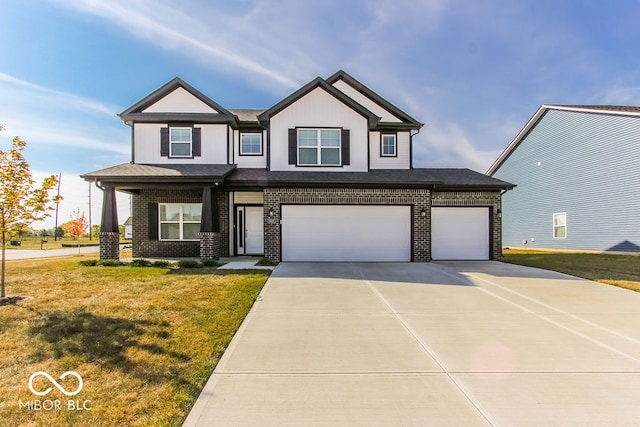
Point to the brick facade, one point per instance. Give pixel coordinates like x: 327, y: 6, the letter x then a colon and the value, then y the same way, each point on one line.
x: 144, y: 247
x: 109, y: 245
x: 209, y: 245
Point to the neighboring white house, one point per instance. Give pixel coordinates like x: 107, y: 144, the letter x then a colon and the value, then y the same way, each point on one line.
x: 128, y: 228
x: 326, y: 174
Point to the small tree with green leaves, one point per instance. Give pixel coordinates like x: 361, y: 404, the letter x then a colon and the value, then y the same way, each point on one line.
x: 21, y: 203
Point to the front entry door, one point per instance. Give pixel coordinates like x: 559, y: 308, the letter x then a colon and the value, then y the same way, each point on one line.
x: 250, y: 230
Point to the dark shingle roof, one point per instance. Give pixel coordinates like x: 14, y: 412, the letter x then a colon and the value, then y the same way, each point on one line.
x: 246, y: 115
x: 132, y: 172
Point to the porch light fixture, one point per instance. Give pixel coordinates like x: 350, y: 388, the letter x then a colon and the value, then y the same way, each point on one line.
x: 271, y: 212
x: 423, y: 212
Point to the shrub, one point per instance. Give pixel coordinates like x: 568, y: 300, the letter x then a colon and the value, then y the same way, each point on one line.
x: 210, y: 263
x: 266, y: 262
x: 189, y: 263
x: 140, y: 263
x: 110, y: 263
x: 89, y: 262
x: 161, y: 264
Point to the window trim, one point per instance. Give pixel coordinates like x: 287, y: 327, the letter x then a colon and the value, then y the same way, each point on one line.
x: 395, y: 144
x: 318, y: 147
x: 181, y: 156
x: 181, y: 222
x: 555, y: 227
x: 242, y: 153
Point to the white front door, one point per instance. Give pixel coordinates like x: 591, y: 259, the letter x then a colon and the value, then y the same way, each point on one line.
x: 250, y: 230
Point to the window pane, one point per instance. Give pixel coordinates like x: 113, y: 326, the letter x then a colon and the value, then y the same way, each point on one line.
x: 560, y: 219
x: 169, y: 212
x: 192, y: 212
x: 560, y: 232
x: 330, y: 137
x: 389, y: 145
x: 307, y: 138
x: 250, y: 144
x: 180, y: 149
x: 180, y: 134
x: 170, y: 231
x: 191, y: 231
x: 330, y: 156
x: 308, y: 156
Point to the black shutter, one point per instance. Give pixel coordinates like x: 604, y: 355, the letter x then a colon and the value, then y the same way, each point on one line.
x: 153, y: 221
x: 164, y: 142
x: 293, y: 147
x: 196, y: 145
x: 346, y: 147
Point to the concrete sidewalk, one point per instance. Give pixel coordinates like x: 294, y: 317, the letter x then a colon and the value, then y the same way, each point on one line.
x: 480, y: 343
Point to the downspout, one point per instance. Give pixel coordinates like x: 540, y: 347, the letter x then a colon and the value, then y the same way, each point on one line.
x: 411, y: 148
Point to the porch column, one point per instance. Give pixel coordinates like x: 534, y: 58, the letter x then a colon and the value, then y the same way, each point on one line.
x: 210, y: 225
x: 109, y: 232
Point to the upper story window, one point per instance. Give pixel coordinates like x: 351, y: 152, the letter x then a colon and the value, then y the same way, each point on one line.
x: 251, y: 144
x: 319, y: 147
x: 180, y: 221
x: 180, y: 142
x: 560, y: 225
x: 388, y: 145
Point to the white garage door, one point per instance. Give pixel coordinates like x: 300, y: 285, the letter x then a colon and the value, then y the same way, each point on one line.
x: 460, y: 233
x: 346, y: 233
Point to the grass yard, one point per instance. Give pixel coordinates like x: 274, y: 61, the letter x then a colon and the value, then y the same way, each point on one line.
x: 618, y: 270
x: 144, y: 340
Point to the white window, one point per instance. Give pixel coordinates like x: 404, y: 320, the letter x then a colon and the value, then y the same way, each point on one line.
x: 251, y: 144
x: 388, y: 147
x: 180, y: 142
x: 180, y: 221
x: 560, y: 225
x: 319, y: 147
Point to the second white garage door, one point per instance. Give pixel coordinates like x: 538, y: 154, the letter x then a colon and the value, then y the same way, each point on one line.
x: 460, y: 233
x: 346, y: 233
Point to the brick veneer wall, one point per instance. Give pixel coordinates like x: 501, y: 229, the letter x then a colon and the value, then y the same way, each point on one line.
x: 419, y: 199
x: 490, y: 199
x: 109, y: 245
x: 143, y: 247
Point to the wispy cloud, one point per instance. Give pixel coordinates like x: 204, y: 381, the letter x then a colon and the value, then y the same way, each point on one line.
x: 48, y: 118
x: 220, y: 40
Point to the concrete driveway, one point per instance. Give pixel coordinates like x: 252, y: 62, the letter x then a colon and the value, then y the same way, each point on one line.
x: 455, y: 343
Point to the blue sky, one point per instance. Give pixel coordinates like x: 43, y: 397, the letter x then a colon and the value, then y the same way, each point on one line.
x: 474, y: 71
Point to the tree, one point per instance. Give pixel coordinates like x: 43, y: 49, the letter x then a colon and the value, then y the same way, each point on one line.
x: 21, y: 203
x: 77, y: 227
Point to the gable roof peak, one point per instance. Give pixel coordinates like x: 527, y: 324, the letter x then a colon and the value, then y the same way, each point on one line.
x: 165, y: 90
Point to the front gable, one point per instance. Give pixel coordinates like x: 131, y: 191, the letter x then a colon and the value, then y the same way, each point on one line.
x: 180, y: 101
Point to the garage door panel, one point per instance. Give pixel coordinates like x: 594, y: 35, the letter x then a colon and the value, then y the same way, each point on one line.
x: 346, y: 233
x: 460, y: 233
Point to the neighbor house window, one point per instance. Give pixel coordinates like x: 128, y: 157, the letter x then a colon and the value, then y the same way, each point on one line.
x: 319, y: 147
x: 560, y: 225
x: 180, y: 221
x: 251, y: 144
x: 180, y: 142
x: 389, y: 146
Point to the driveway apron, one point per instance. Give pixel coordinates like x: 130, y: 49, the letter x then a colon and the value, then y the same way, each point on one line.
x: 449, y: 343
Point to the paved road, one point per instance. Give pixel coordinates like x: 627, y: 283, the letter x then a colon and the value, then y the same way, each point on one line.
x: 475, y: 343
x: 13, y: 254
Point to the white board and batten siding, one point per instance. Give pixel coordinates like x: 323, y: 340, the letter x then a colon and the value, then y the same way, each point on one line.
x: 460, y: 233
x: 179, y: 101
x: 346, y: 233
x: 249, y: 161
x: 147, y: 144
x: 318, y: 109
x: 403, y: 150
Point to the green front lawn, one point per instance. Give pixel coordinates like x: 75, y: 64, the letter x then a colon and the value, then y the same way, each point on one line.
x: 618, y: 270
x: 143, y: 339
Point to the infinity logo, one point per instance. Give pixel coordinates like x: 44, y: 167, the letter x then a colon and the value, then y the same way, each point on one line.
x: 55, y: 383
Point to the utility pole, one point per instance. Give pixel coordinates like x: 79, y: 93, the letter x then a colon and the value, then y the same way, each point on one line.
x: 55, y: 230
x: 90, y: 231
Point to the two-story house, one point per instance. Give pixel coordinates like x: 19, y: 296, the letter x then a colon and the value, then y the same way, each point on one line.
x: 326, y: 174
